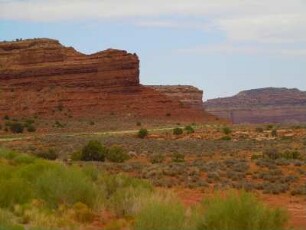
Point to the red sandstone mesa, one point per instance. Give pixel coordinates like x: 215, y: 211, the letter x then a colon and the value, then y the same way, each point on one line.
x: 40, y: 76
x: 267, y: 105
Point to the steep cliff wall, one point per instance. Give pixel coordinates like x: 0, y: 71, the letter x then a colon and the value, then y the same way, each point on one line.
x: 188, y: 95
x: 40, y: 77
x: 267, y: 105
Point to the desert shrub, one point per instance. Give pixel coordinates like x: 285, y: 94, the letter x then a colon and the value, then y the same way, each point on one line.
x: 6, y: 218
x: 240, y: 211
x: 58, y: 124
x: 7, y: 154
x: 14, y: 191
x: 16, y: 127
x: 82, y: 213
x: 24, y: 159
x: 142, y: 133
x: 291, y: 155
x: 189, y: 129
x: 177, y: 131
x: 274, y: 133
x: 76, y: 156
x: 61, y: 185
x: 178, y: 157
x: 226, y: 138
x: 113, y: 183
x: 31, y: 128
x: 271, y: 153
x: 157, y: 158
x: 226, y: 130
x: 138, y: 123
x: 259, y: 130
x: 117, y: 154
x: 91, y: 123
x: 118, y: 225
x: 49, y: 154
x: 256, y: 156
x: 161, y: 213
x: 300, y: 190
x: 93, y: 151
x: 127, y: 201
x: 269, y: 127
x: 6, y: 117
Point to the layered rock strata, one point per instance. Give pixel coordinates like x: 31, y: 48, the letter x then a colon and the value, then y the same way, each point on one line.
x: 266, y: 105
x: 41, y: 77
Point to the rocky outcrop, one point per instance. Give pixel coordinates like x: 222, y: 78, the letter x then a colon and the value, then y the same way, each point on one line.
x: 267, y: 105
x: 40, y: 77
x: 188, y: 95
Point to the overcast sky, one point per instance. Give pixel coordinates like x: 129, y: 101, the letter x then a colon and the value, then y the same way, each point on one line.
x: 220, y: 46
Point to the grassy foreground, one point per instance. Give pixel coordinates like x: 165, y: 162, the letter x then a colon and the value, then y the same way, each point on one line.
x: 38, y: 194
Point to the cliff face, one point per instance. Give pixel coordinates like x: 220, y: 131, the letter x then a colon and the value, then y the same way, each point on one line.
x: 267, y: 105
x: 188, y: 95
x: 43, y: 78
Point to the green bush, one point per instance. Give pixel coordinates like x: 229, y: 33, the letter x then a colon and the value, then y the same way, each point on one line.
x: 117, y: 154
x: 226, y: 138
x: 61, y: 185
x: 227, y: 130
x: 177, y: 131
x: 127, y: 201
x: 16, y: 127
x: 93, y: 151
x: 189, y: 129
x: 142, y: 133
x: 14, y: 191
x: 49, y: 154
x: 161, y: 214
x: 291, y: 155
x: 239, y: 211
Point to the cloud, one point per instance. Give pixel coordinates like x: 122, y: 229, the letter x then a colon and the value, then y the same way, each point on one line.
x: 249, y: 49
x: 241, y: 21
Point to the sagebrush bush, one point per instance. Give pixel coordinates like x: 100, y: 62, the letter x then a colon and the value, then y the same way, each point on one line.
x: 239, y: 211
x: 65, y: 185
x: 116, y: 154
x: 14, y: 191
x: 93, y: 151
x: 157, y: 158
x: 127, y: 201
x: 226, y: 130
x: 177, y: 131
x: 142, y: 133
x: 49, y: 154
x: 161, y: 213
x: 16, y: 127
x: 189, y: 129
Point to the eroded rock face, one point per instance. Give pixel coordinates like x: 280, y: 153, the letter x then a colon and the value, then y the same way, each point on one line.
x: 188, y: 95
x: 267, y: 105
x: 40, y: 77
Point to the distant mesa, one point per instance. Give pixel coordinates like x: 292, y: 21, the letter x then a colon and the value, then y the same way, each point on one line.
x: 41, y: 77
x: 265, y: 105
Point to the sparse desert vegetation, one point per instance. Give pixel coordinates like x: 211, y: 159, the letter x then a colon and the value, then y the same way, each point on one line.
x: 119, y: 181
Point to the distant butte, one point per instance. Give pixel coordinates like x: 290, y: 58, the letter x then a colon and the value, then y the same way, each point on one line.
x: 266, y: 105
x: 41, y: 77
